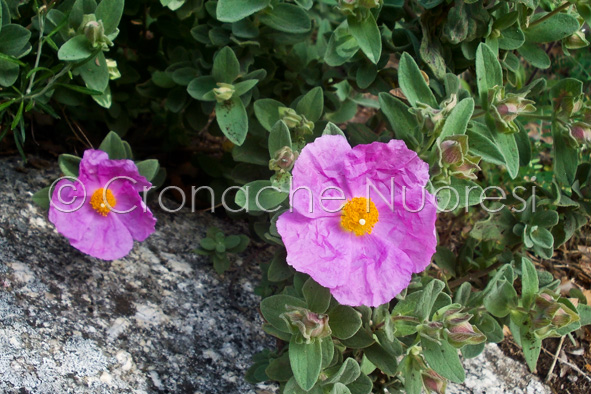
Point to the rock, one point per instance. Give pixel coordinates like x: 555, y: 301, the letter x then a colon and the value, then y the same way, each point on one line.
x: 492, y: 372
x: 159, y: 320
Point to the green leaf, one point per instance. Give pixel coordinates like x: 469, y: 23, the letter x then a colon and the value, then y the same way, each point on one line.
x: 368, y: 36
x: 428, y: 297
x: 488, y: 72
x: 403, y: 123
x: 535, y: 55
x: 279, y: 270
x: 113, y: 145
x: 148, y: 168
x: 332, y: 129
x: 279, y: 369
x: 95, y: 73
x: 444, y: 359
x: 508, y: 147
x: 348, y: 372
x: 235, y: 10
x: 531, y: 346
x: 75, y: 49
x: 69, y: 164
x: 41, y: 198
x: 268, y: 196
x: 232, y: 119
x: 267, y: 112
x: 555, y: 28
x: 287, y: 18
x: 511, y: 38
x: 226, y: 66
x: 428, y: 4
x: 8, y: 73
x: 542, y: 238
x: 385, y: 361
x: 13, y: 39
x: 457, y: 121
x: 501, y: 299
x: 201, y: 88
x: 529, y: 283
x: 317, y: 297
x: 279, y: 137
x: 312, y: 104
x: 566, y: 157
x: 344, y: 321
x: 244, y: 86
x: 110, y: 12
x: 481, y: 145
x: 273, y: 307
x: 413, y: 84
x: 366, y: 74
x: 411, y: 372
x: 459, y: 193
x: 306, y: 362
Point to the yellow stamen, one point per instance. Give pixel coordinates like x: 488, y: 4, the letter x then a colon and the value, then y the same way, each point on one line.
x: 98, y: 203
x: 359, y: 215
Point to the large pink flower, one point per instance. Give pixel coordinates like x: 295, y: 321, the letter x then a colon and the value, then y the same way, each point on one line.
x: 364, y: 256
x: 102, y: 212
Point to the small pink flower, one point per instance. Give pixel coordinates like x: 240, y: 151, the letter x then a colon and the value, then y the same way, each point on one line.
x: 102, y: 213
x: 365, y: 257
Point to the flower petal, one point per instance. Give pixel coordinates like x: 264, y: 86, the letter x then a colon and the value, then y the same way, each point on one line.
x: 96, y: 166
x: 138, y: 218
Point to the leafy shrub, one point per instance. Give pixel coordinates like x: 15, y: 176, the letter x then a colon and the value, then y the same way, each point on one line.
x: 454, y: 79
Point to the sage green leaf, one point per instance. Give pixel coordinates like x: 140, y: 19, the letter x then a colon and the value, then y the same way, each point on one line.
x: 267, y: 112
x: 368, y: 36
x: 344, y: 321
x: 403, y: 123
x: 385, y: 361
x: 535, y: 55
x: 312, y: 104
x: 444, y: 359
x: 366, y: 74
x: 279, y: 369
x: 431, y: 53
x: 278, y: 138
x: 317, y: 296
x: 361, y: 385
x: 268, y: 196
x: 555, y: 28
x: 529, y: 282
x: 113, y: 145
x: 457, y: 121
x: 545, y: 218
x: 348, y: 372
x: 287, y: 18
x: 542, y: 238
x: 306, y: 362
x: 459, y: 193
x: 13, y: 39
x: 244, y: 86
x: 471, y: 351
x: 339, y: 388
x: 95, y: 73
x: 8, y: 73
x: 41, y: 198
x: 232, y: 119
x: 428, y: 4
x: 226, y: 67
x: 75, y: 49
x: 501, y: 299
x: 488, y: 72
x: 201, y: 88
x: 110, y: 12
x: 510, y: 151
x: 413, y: 83
x: 481, y: 145
x: 342, y: 46
x: 273, y: 307
x: 411, y: 372
x: 148, y: 168
x: 566, y: 158
x: 531, y: 346
x: 69, y: 164
x: 511, y: 38
x: 428, y: 297
x: 235, y: 10
x: 332, y: 129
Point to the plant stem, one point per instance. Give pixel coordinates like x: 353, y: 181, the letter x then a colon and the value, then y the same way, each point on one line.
x: 39, y: 49
x: 475, y: 275
x: 50, y: 83
x: 550, y: 14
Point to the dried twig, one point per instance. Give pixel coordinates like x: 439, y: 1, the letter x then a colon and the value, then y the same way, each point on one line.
x: 573, y: 366
x: 555, y: 359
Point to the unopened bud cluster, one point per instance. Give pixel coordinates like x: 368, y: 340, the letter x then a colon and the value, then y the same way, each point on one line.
x: 298, y: 123
x: 223, y: 92
x: 455, y: 159
x: 550, y: 314
x: 95, y: 32
x: 309, y: 325
x: 453, y: 325
x: 505, y: 108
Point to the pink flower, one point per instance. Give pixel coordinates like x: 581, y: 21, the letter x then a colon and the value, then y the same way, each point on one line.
x: 365, y: 257
x: 100, y: 218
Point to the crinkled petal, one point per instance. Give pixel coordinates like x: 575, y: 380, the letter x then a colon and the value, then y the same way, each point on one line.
x: 318, y: 247
x: 96, y: 167
x: 133, y: 213
x: 317, y: 172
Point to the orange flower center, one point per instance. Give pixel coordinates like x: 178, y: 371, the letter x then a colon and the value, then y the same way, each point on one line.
x: 359, y: 215
x: 103, y: 202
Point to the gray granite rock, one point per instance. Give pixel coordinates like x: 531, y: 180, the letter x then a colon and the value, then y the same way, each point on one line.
x: 492, y: 372
x: 159, y: 320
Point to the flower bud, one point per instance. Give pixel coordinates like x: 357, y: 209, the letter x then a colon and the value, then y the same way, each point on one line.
x: 433, y: 381
x: 223, y: 92
x: 464, y: 333
x: 283, y: 160
x: 576, y: 41
x: 451, y: 152
x: 307, y: 323
x: 290, y: 117
x: 580, y: 132
x: 94, y: 32
x: 506, y: 107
